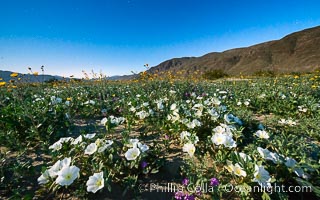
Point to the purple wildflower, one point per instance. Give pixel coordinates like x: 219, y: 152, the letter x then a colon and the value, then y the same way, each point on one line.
x: 185, y: 181
x: 144, y: 164
x: 214, y: 182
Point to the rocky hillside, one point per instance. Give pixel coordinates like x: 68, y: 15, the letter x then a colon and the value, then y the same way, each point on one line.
x: 297, y: 52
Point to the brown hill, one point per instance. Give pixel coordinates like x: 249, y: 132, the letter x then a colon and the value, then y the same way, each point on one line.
x: 297, y: 52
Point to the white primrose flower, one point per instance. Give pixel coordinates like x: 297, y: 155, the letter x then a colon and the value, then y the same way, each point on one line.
x: 219, y: 138
x: 54, y: 170
x: 104, y: 121
x: 193, y: 124
x: 244, y: 156
x: 91, y: 148
x: 132, y: 109
x: 174, y: 117
x: 290, y: 162
x: 142, y: 114
x: 219, y: 129
x: 89, y: 102
x: 189, y: 148
x: 133, y: 142
x: 77, y: 140
x: 266, y: 154
x: 44, y: 178
x: 282, y: 121
x: 104, y: 146
x: 116, y: 120
x: 229, y: 142
x: 95, y: 182
x: 56, y: 146
x: 132, y: 153
x: 67, y: 175
x: 262, y: 176
x: 214, y: 114
x: 246, y: 103
x: 159, y: 105
x: 143, y: 147
x: 89, y: 136
x: 235, y: 169
x: 173, y: 107
x: 239, y: 103
x: 184, y: 135
x: 262, y: 134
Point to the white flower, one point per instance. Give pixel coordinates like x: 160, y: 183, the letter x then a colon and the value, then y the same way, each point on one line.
x: 184, y: 135
x: 104, y: 121
x: 189, y: 148
x: 173, y: 106
x: 145, y: 104
x: 116, y: 120
x: 53, y: 171
x: 132, y: 153
x: 77, y: 140
x: 67, y: 175
x: 160, y: 105
x: 56, y: 146
x: 193, y: 124
x: 89, y: 102
x: 133, y: 142
x: 261, y: 176
x: 236, y: 169
x: 262, y: 134
x: 89, y: 136
x: 246, y: 103
x: 132, y: 109
x: 290, y: 122
x: 174, y: 117
x: 219, y: 129
x: 214, y: 114
x: 244, y: 156
x: 239, y: 103
x: 142, y: 114
x: 223, y: 92
x: 263, y: 152
x: 44, y: 178
x: 266, y: 154
x: 290, y: 162
x: 262, y: 96
x: 143, y: 147
x: 282, y: 121
x: 95, y: 182
x: 219, y: 138
x: 91, y: 148
x: 302, y: 109
x: 103, y: 147
x: 229, y: 142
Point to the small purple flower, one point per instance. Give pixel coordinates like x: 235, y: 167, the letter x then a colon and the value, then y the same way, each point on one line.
x: 185, y: 181
x: 144, y: 164
x: 179, y: 195
x: 189, y: 197
x: 166, y: 137
x: 214, y: 182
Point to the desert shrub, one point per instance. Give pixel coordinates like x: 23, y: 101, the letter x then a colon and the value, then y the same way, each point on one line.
x: 214, y: 74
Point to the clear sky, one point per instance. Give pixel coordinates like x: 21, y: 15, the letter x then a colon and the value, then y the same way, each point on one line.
x: 120, y: 36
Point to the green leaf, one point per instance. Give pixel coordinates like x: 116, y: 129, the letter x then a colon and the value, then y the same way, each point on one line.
x: 265, y: 196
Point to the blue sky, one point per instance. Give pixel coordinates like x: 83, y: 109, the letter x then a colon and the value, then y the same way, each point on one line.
x: 120, y: 36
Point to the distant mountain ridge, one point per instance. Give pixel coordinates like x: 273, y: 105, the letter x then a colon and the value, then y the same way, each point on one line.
x: 5, y: 75
x: 296, y: 52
